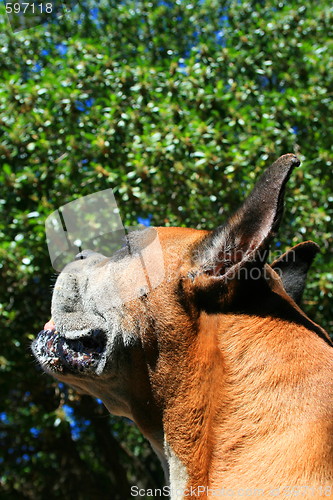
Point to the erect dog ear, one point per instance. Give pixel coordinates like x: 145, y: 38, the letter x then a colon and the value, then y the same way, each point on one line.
x: 244, y: 239
x: 293, y: 266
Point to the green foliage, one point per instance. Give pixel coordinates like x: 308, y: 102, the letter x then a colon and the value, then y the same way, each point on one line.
x: 178, y: 106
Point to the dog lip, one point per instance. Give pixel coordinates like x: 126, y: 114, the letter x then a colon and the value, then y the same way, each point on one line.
x: 58, y: 353
x: 76, y: 334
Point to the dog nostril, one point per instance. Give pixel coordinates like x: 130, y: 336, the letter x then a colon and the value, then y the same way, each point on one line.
x: 84, y: 254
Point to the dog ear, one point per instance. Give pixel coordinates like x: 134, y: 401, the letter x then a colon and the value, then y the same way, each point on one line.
x: 244, y: 239
x: 293, y: 267
x: 229, y: 262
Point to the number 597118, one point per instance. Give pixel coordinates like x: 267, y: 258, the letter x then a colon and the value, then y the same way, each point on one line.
x: 28, y: 8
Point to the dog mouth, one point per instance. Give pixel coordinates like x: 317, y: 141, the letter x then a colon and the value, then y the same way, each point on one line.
x: 57, y: 353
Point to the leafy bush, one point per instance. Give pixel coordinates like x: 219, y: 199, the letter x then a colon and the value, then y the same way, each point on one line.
x: 178, y: 106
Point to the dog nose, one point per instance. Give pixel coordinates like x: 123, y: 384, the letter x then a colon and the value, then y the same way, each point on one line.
x: 49, y: 325
x: 84, y: 254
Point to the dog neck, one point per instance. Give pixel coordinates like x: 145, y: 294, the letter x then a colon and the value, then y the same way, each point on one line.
x: 232, y: 401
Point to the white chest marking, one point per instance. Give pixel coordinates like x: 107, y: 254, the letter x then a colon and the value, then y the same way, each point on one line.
x: 177, y: 473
